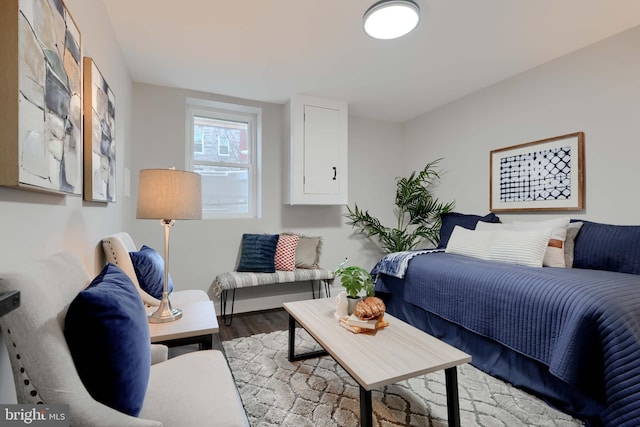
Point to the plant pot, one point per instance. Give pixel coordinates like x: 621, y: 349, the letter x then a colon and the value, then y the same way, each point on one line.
x: 352, y: 303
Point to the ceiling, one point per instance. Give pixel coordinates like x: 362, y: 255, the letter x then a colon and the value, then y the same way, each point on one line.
x: 267, y: 50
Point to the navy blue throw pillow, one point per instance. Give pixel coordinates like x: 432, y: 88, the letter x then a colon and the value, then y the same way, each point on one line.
x: 108, y: 336
x: 149, y: 267
x: 608, y: 247
x: 258, y: 253
x: 451, y: 219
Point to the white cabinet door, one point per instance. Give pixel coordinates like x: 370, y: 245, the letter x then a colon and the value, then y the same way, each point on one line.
x: 315, y: 152
x: 322, y: 141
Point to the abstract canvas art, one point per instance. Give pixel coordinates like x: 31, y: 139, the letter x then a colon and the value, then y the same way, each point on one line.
x: 99, y: 136
x: 540, y: 175
x: 42, y: 138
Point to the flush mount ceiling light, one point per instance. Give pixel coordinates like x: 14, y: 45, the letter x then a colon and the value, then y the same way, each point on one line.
x: 390, y: 19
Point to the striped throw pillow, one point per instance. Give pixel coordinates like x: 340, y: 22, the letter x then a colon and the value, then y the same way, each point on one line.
x: 470, y: 242
x: 520, y: 247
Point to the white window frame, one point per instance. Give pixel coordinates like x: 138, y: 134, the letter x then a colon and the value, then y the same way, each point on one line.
x: 232, y: 112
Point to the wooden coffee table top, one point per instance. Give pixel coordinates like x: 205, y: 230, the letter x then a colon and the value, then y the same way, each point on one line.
x: 395, y: 353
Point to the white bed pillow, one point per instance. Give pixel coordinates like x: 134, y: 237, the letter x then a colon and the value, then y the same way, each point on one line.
x: 515, y: 247
x: 520, y: 247
x: 494, y: 226
x: 470, y: 242
x: 554, y: 255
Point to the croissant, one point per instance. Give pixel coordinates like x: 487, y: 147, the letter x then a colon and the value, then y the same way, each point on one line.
x: 369, y: 308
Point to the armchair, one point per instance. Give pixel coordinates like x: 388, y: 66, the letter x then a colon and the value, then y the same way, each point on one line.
x: 116, y: 250
x: 194, y: 389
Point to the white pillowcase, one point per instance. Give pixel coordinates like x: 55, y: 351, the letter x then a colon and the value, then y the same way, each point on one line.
x: 554, y: 253
x: 494, y: 226
x: 520, y: 247
x: 469, y: 242
x: 515, y: 247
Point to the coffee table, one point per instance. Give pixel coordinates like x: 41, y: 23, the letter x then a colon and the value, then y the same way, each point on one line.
x: 395, y: 353
x: 197, y: 325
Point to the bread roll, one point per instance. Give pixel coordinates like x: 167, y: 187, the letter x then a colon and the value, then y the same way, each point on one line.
x: 369, y: 308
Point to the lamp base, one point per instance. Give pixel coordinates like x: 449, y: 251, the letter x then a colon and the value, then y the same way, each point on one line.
x: 165, y: 313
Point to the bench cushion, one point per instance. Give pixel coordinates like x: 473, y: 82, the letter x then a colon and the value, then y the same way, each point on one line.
x: 235, y: 279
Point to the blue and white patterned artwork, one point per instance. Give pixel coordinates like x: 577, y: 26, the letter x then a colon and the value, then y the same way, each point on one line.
x: 539, y: 175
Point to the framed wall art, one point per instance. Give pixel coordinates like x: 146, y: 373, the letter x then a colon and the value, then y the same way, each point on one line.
x: 539, y: 175
x: 99, y: 136
x: 41, y: 92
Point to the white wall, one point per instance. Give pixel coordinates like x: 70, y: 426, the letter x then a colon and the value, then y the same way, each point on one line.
x: 202, y: 249
x: 35, y: 225
x: 595, y: 90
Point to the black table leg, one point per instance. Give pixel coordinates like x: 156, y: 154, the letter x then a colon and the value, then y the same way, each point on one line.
x: 292, y: 345
x: 366, y: 408
x: 453, y: 403
x: 292, y: 338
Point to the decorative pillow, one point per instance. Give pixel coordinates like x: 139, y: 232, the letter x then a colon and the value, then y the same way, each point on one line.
x: 108, y: 336
x: 516, y: 247
x: 451, y: 219
x: 608, y: 247
x: 285, y: 258
x: 519, y: 247
x: 470, y: 242
x: 308, y: 251
x: 149, y: 267
x: 554, y: 255
x: 569, y: 243
x: 258, y: 253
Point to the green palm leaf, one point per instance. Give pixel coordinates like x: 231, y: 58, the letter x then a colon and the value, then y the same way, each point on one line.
x: 417, y: 212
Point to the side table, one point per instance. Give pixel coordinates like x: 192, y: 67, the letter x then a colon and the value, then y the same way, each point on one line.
x: 196, y: 326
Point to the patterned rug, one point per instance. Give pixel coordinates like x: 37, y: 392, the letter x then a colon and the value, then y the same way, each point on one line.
x: 318, y: 392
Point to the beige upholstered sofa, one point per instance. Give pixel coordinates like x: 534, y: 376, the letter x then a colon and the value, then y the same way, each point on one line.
x: 194, y: 389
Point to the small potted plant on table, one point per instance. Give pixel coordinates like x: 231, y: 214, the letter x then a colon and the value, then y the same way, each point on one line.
x: 354, y: 279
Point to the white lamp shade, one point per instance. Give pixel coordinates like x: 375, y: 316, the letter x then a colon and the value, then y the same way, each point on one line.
x: 169, y: 194
x: 390, y: 19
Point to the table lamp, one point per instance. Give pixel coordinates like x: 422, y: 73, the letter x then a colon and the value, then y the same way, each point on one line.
x: 167, y: 195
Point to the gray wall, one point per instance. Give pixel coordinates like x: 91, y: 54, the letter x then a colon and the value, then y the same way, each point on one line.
x: 595, y: 90
x: 202, y: 249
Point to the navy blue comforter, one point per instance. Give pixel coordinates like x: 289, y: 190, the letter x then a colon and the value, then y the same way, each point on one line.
x: 583, y: 324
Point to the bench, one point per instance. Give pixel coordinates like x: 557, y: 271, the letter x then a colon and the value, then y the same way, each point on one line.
x: 233, y: 280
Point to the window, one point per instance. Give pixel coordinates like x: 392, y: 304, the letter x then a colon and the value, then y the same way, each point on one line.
x: 223, y: 147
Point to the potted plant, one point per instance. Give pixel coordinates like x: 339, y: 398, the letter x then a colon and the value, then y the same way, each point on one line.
x: 354, y: 279
x: 417, y: 212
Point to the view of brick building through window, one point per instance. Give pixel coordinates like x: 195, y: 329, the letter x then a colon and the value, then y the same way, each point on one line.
x: 222, y: 155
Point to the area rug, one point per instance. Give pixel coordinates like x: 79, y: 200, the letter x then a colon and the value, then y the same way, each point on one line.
x: 318, y: 392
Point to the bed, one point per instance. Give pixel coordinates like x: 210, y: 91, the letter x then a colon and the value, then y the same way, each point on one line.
x: 568, y: 335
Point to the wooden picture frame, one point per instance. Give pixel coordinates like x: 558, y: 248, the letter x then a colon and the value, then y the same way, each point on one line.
x: 544, y: 175
x: 41, y: 92
x: 99, y: 136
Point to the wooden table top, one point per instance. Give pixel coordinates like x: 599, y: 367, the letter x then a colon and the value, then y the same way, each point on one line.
x: 198, y: 318
x: 395, y: 353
